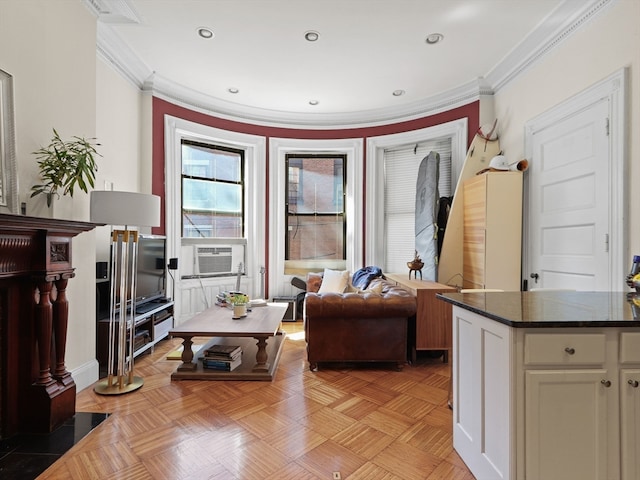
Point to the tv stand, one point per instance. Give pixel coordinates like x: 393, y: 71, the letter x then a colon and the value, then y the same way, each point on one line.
x: 152, y: 324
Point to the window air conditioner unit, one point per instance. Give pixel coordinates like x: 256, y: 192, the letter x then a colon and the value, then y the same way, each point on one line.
x: 217, y: 259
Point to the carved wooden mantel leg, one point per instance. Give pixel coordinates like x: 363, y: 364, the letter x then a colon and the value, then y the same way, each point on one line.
x: 60, y: 321
x: 43, y: 327
x: 53, y: 394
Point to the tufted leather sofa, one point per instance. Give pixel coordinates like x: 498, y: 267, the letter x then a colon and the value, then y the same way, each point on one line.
x: 358, y: 327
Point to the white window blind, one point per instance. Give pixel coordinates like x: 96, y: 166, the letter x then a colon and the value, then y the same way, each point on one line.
x: 401, y: 172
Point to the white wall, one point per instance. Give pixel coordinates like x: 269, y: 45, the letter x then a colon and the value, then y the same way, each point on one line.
x: 118, y: 125
x: 50, y: 49
x: 603, y: 46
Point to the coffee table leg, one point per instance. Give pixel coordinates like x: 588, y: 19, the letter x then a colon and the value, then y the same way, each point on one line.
x: 187, y: 356
x: 261, y: 355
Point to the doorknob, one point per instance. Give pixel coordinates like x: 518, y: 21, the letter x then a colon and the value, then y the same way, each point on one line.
x: 535, y: 276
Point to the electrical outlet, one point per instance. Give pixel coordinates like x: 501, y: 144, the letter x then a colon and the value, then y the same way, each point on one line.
x: 337, y: 476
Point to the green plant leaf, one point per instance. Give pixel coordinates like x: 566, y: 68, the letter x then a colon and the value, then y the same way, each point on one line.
x: 66, y: 164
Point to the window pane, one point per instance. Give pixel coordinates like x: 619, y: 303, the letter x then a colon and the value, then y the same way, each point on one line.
x: 212, y: 191
x: 211, y: 196
x: 315, y: 208
x: 316, y: 186
x: 204, y: 225
x: 316, y: 237
x: 208, y: 162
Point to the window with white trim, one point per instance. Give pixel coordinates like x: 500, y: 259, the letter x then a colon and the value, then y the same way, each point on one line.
x: 315, y: 220
x: 401, y: 170
x: 212, y: 191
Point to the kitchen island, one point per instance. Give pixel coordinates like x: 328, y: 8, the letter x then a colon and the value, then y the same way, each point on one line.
x: 546, y: 384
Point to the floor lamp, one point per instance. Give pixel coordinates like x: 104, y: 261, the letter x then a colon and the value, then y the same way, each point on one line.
x: 128, y: 209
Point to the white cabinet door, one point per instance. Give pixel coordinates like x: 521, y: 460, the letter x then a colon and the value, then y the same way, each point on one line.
x: 566, y: 424
x: 630, y: 423
x: 482, y: 410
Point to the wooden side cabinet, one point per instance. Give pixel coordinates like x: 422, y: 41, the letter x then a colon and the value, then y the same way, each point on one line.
x: 433, y: 317
x: 492, y: 238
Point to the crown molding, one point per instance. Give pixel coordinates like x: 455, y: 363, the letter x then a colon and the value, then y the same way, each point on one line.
x: 113, y: 11
x: 559, y: 25
x: 113, y: 50
x: 176, y: 93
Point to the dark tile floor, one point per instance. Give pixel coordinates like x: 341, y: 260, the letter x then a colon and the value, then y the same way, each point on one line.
x: 25, y: 456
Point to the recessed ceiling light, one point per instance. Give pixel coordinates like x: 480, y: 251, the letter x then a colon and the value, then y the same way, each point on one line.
x: 311, y: 36
x: 233, y: 90
x: 313, y: 102
x: 434, y: 38
x: 205, y: 32
x: 398, y: 93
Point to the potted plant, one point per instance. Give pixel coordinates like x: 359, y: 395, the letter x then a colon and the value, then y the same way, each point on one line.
x: 239, y: 303
x: 65, y: 165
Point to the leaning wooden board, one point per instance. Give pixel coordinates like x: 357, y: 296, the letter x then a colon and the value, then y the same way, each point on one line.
x: 480, y: 153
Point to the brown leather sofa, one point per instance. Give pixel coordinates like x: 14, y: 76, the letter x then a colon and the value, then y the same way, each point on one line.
x: 358, y: 327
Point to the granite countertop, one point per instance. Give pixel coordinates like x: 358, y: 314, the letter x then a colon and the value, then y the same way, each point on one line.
x: 544, y: 309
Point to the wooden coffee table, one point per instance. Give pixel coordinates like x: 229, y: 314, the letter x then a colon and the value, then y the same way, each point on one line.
x: 258, y: 334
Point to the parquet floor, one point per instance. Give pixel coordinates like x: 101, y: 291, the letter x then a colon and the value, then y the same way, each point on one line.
x: 366, y: 423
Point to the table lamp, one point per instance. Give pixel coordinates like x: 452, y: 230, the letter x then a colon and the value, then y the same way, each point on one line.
x: 123, y: 209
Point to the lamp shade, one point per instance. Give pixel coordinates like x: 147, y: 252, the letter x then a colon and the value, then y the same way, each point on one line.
x: 125, y: 208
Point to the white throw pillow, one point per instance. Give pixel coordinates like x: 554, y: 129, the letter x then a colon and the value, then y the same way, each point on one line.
x: 334, y: 281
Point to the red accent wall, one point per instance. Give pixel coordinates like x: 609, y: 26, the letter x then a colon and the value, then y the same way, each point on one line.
x: 161, y: 108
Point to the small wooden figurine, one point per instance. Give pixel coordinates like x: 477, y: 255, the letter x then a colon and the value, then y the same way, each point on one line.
x: 415, y: 266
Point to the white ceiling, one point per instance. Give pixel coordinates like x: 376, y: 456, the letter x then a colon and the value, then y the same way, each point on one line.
x: 367, y: 49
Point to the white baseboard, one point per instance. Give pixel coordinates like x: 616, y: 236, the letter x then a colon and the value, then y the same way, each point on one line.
x: 86, y: 375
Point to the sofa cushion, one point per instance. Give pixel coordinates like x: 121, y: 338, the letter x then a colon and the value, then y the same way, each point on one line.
x: 394, y: 301
x: 334, y: 281
x: 375, y: 289
x: 314, y: 280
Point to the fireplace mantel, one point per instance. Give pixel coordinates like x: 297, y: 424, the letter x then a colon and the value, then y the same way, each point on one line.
x: 37, y: 393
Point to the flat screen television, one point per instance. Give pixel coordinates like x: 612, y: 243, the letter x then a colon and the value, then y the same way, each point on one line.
x: 150, y: 274
x: 152, y: 265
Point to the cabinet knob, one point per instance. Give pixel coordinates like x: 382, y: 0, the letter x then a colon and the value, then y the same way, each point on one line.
x: 606, y: 383
x: 570, y: 350
x: 633, y: 383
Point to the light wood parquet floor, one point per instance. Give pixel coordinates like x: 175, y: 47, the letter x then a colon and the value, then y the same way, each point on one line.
x: 372, y: 423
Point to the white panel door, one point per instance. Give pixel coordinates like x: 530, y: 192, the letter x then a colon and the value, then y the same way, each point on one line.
x: 569, y: 202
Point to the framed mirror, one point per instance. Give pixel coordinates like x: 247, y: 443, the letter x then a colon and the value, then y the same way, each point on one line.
x: 8, y: 177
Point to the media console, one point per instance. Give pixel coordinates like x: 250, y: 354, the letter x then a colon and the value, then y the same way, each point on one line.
x: 153, y: 321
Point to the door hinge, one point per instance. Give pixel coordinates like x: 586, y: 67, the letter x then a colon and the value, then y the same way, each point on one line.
x: 606, y: 126
x: 606, y: 242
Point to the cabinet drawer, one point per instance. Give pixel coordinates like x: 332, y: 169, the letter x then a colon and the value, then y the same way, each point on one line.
x: 161, y: 329
x: 564, y: 349
x: 630, y: 347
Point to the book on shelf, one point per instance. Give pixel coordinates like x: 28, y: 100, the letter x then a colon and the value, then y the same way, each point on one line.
x: 224, y: 352
x: 222, y: 365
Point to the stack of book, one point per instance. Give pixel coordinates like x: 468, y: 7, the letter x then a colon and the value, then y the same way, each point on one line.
x: 222, y: 357
x: 221, y: 299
